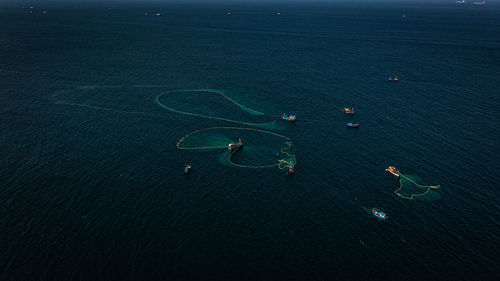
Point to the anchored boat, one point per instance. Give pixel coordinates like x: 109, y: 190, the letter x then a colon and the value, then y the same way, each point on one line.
x: 352, y: 125
x: 379, y: 214
x: 187, y: 168
x: 393, y: 79
x: 288, y: 117
x: 348, y: 110
x: 233, y: 147
x: 393, y: 171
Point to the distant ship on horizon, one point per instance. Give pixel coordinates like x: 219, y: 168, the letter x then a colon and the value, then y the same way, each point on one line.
x: 473, y: 3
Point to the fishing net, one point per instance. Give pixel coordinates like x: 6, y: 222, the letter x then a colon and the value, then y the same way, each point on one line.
x: 211, y: 104
x: 287, y: 159
x: 261, y: 148
x: 409, y: 187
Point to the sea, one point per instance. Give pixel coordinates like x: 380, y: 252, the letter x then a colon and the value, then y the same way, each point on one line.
x: 91, y: 168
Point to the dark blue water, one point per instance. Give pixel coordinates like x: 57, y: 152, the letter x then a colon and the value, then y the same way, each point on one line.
x: 91, y: 184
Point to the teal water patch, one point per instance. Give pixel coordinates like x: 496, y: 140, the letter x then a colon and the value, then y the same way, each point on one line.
x: 233, y: 100
x: 205, y: 140
x: 413, y: 187
x: 261, y: 149
x: 211, y: 104
x: 255, y: 155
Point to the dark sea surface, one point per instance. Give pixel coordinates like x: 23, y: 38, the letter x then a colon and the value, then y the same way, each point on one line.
x: 92, y: 184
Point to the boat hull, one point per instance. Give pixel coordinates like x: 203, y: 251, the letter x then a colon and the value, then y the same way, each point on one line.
x: 393, y: 171
x: 236, y: 147
x: 379, y: 214
x: 349, y: 111
x: 288, y: 117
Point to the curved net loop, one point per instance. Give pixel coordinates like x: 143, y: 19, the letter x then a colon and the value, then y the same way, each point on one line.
x: 287, y: 158
x: 413, y: 195
x: 247, y: 109
x: 287, y: 161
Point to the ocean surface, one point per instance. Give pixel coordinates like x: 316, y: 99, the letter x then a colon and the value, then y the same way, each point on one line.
x: 92, y: 184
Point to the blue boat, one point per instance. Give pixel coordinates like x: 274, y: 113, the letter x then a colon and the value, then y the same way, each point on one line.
x: 288, y: 117
x: 379, y: 214
x: 233, y: 147
x: 352, y: 125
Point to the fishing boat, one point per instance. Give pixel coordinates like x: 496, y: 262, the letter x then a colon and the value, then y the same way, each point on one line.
x: 288, y: 117
x: 348, y: 110
x: 379, y: 214
x: 233, y: 147
x: 393, y: 79
x: 352, y: 125
x: 393, y: 171
x: 187, y: 168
